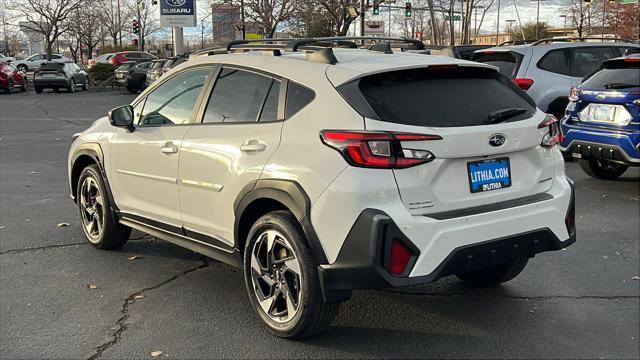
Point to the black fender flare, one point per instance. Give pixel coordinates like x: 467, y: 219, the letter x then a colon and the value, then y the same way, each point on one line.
x: 290, y: 194
x: 94, y: 150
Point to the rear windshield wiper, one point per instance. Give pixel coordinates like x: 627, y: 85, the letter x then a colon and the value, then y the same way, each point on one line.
x: 619, y: 85
x: 501, y: 115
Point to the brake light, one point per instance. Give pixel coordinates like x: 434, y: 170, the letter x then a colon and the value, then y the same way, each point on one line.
x: 523, y: 83
x: 554, y: 136
x: 399, y: 258
x: 632, y: 59
x: 113, y: 61
x: 382, y: 150
x: 574, y: 94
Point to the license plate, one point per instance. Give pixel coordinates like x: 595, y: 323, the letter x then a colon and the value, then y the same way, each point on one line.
x: 602, y: 113
x: 487, y: 175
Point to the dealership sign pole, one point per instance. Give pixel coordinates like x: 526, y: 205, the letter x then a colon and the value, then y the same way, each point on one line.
x: 178, y: 14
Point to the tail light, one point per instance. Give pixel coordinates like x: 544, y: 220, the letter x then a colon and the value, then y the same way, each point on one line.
x: 382, y: 150
x: 523, y: 83
x: 554, y: 136
x: 398, y: 258
x: 3, y: 75
x: 113, y: 62
x: 574, y: 94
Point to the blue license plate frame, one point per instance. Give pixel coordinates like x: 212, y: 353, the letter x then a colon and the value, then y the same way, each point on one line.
x: 489, y: 174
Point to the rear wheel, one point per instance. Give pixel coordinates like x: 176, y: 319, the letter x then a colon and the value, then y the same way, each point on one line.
x: 72, y: 86
x: 38, y: 89
x: 132, y: 89
x: 9, y: 88
x: 85, y: 86
x: 98, y: 224
x: 25, y: 84
x: 282, y: 280
x: 495, y: 275
x: 602, y: 169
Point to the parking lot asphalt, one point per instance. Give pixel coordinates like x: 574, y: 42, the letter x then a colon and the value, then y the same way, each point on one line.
x: 61, y: 298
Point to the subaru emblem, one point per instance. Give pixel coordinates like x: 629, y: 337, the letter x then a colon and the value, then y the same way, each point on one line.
x: 497, y: 140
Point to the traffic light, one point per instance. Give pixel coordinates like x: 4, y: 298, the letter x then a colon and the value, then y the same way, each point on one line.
x: 136, y: 26
x: 376, y: 9
x: 407, y: 9
x: 587, y: 1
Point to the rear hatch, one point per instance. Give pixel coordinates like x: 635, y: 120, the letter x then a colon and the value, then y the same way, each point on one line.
x: 50, y: 70
x: 487, y: 140
x: 610, y: 97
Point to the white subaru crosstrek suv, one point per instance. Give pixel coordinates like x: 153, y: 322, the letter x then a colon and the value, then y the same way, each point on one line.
x: 319, y: 170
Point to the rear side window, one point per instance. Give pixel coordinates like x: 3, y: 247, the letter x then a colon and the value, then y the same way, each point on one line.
x: 507, y: 62
x: 555, y: 61
x: 437, y: 98
x: 619, y: 75
x: 238, y: 96
x: 585, y: 59
x: 298, y: 97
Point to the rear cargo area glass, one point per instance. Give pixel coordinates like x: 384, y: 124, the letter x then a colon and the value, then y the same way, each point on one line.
x: 507, y: 62
x: 436, y: 98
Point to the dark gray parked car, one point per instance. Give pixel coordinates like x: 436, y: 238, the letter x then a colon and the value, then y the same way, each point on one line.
x: 57, y: 76
x: 155, y: 71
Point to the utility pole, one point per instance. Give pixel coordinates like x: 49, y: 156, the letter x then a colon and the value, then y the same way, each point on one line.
x: 140, y: 39
x: 119, y: 23
x: 362, y: 14
x: 498, y: 24
x: 604, y: 15
x: 244, y: 30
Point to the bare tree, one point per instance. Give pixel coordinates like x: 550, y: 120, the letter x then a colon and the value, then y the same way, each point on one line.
x: 149, y: 23
x: 338, y: 11
x: 114, y: 15
x: 47, y: 17
x: 268, y: 14
x: 85, y: 28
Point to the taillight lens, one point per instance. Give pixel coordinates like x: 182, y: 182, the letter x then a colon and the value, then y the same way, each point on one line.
x: 554, y: 136
x: 381, y: 150
x: 113, y: 61
x: 398, y: 258
x: 574, y: 94
x: 523, y: 83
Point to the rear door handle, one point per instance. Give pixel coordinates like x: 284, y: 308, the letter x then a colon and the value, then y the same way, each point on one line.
x: 253, y: 146
x: 169, y: 148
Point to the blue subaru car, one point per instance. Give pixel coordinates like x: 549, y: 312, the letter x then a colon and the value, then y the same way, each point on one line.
x: 601, y: 126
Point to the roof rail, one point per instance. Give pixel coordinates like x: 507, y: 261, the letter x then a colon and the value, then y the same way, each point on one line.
x: 516, y: 42
x: 578, y: 39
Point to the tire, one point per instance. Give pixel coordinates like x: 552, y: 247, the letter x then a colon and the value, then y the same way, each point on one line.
x: 72, y: 86
x: 23, y: 68
x: 85, y: 86
x: 9, y: 89
x: 99, y: 226
x: 38, y: 89
x: 312, y: 315
x: 131, y: 89
x: 25, y: 84
x: 602, y: 169
x: 56, y: 89
x: 496, y: 275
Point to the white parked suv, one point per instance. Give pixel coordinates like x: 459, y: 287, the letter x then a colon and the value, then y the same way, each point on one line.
x: 34, y: 61
x: 319, y: 170
x: 548, y: 68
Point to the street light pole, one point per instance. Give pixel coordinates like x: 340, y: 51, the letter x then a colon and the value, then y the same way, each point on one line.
x: 498, y: 24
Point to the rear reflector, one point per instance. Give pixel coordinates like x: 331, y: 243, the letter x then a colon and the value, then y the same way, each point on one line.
x: 523, y: 83
x: 382, y: 150
x: 399, y: 258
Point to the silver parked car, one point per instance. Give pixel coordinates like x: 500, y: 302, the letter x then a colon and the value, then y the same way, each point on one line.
x: 548, y: 68
x: 34, y: 61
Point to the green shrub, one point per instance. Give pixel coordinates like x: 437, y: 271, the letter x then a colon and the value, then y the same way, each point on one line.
x: 101, y: 72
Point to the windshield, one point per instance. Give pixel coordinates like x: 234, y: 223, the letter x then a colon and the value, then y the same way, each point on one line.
x: 439, y: 98
x: 619, y: 78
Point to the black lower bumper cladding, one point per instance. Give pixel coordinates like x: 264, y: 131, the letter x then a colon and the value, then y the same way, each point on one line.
x: 361, y: 261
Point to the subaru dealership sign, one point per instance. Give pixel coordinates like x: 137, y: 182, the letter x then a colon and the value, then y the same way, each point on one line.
x: 178, y: 13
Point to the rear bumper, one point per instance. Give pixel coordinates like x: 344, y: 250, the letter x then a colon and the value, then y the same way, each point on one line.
x: 360, y: 262
x: 601, y: 144
x: 50, y: 83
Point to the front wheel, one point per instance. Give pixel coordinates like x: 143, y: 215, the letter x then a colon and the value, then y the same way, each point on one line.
x: 24, y: 86
x: 23, y: 68
x: 496, y: 275
x: 602, y: 169
x: 99, y: 226
x: 282, y: 279
x: 132, y: 89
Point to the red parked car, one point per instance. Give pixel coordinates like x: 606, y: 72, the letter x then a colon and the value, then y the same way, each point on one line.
x: 10, y: 78
x: 118, y: 58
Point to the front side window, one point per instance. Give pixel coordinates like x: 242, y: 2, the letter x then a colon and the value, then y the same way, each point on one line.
x: 172, y: 103
x: 239, y: 96
x: 585, y: 59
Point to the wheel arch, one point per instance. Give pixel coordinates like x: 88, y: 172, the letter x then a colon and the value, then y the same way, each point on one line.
x: 263, y: 196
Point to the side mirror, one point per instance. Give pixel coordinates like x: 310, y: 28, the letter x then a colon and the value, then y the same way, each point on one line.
x: 122, y: 117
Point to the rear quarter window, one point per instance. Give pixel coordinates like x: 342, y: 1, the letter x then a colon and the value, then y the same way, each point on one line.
x: 507, y: 62
x: 436, y: 98
x: 298, y: 97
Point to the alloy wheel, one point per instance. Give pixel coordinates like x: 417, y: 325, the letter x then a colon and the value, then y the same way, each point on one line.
x: 92, y: 209
x: 276, y: 276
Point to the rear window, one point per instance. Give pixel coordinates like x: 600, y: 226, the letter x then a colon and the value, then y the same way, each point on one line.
x: 437, y: 98
x: 51, y: 66
x: 507, y: 62
x: 125, y: 66
x: 618, y: 75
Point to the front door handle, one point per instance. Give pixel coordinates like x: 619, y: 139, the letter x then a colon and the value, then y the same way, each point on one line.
x: 169, y: 148
x: 253, y: 146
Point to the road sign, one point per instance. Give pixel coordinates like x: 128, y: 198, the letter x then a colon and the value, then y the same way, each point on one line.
x: 374, y: 27
x: 178, y: 13
x: 627, y: 1
x: 455, y: 17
